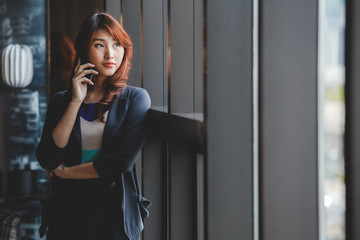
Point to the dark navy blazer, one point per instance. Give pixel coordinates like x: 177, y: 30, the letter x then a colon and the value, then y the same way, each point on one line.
x: 123, y: 137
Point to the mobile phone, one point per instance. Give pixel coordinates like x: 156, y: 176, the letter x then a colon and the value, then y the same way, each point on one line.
x: 83, y: 61
x: 89, y: 76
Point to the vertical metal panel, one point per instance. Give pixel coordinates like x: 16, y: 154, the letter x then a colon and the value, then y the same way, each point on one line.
x: 182, y: 61
x: 155, y: 188
x: 198, y: 58
x: 352, y: 128
x: 131, y: 16
x: 183, y: 211
x: 229, y: 120
x: 288, y: 119
x: 256, y: 177
x: 166, y: 54
x: 200, y: 193
x: 153, y: 51
x: 113, y: 8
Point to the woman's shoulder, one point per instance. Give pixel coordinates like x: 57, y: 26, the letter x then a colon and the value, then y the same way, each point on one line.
x: 132, y: 93
x: 137, y: 97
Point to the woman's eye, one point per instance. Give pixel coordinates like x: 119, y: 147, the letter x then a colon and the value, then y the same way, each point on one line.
x: 99, y: 45
x: 117, y: 45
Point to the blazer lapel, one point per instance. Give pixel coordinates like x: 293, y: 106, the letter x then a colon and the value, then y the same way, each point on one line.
x: 114, y: 122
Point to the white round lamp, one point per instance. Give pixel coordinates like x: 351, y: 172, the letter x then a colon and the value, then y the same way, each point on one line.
x: 17, y: 65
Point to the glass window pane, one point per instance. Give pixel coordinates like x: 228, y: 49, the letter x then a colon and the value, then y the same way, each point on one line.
x: 331, y: 119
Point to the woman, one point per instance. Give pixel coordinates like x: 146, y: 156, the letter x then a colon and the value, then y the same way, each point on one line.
x: 91, y: 137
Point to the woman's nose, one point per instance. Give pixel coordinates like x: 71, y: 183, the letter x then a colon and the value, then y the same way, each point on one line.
x: 109, y: 54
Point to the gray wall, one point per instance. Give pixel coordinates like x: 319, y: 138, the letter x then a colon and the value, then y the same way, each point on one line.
x: 288, y: 120
x: 229, y: 120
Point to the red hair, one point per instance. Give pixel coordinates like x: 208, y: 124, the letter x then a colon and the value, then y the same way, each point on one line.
x: 115, y: 84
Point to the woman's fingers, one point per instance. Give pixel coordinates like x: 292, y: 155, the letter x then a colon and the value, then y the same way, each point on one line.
x: 86, y: 80
x: 86, y: 65
x: 59, y: 171
x: 81, y: 78
x: 81, y: 81
x: 85, y: 70
x: 88, y: 71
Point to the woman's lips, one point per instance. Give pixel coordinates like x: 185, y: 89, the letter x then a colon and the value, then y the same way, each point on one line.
x: 109, y: 65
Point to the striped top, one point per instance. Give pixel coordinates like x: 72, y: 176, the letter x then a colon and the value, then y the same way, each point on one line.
x: 92, y: 129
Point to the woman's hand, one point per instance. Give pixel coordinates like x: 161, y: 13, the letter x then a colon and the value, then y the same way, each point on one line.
x: 81, y: 171
x: 80, y: 82
x: 60, y: 171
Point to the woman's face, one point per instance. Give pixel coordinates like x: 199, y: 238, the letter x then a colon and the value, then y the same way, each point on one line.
x: 105, y: 53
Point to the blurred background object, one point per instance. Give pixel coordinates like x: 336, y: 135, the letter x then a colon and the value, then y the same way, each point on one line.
x: 62, y: 59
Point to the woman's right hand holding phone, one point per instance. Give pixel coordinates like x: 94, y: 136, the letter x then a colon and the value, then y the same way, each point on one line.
x: 80, y: 81
x: 63, y: 129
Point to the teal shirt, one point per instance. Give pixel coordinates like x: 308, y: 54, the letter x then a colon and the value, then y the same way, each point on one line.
x: 89, y: 155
